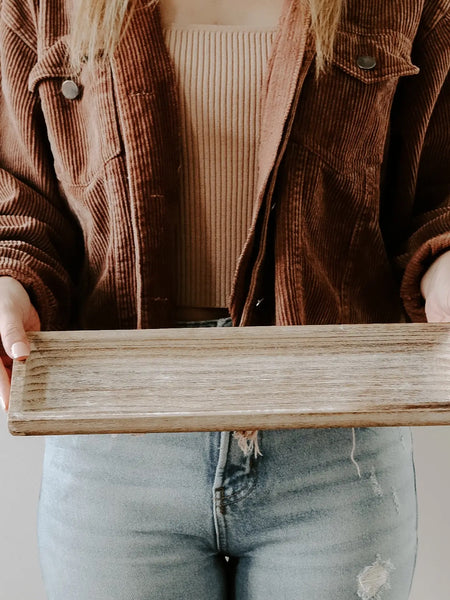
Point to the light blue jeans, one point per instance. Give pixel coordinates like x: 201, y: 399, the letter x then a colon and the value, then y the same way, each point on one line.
x: 323, y: 514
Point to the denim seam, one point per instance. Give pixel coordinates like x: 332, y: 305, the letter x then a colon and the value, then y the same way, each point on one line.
x: 219, y: 521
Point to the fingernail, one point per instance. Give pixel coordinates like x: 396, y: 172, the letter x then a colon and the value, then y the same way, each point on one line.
x: 3, y: 403
x: 20, y: 350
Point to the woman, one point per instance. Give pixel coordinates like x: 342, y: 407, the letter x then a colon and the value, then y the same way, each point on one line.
x: 137, y: 173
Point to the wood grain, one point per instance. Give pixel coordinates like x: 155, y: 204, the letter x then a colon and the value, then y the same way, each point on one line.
x: 232, y: 378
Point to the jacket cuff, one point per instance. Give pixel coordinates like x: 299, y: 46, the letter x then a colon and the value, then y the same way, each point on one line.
x: 420, y: 261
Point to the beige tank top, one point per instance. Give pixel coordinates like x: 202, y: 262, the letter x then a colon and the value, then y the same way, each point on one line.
x: 220, y: 72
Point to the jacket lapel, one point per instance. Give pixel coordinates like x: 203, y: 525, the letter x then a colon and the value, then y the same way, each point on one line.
x: 291, y: 56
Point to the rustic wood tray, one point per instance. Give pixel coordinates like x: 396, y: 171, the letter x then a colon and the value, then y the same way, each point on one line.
x: 232, y: 378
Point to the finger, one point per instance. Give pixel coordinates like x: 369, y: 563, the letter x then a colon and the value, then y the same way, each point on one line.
x: 13, y: 336
x: 5, y: 386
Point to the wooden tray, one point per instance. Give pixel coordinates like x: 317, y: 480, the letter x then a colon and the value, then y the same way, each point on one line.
x: 232, y: 378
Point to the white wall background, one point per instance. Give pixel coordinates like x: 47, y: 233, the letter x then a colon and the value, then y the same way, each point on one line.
x: 20, y: 472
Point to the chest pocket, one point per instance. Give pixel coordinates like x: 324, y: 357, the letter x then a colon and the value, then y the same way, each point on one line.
x: 80, y: 116
x: 344, y: 114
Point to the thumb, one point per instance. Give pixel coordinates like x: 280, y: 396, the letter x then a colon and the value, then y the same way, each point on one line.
x: 13, y: 334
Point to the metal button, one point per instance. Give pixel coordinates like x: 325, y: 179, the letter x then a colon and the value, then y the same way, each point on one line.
x: 259, y: 302
x: 70, y: 89
x: 366, y: 62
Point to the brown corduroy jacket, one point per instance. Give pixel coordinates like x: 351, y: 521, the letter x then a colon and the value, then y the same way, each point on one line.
x: 353, y: 200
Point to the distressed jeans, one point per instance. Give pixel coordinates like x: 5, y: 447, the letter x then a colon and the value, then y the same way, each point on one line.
x: 322, y: 514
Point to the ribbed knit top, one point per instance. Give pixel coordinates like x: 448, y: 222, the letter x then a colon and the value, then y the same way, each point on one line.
x: 220, y: 71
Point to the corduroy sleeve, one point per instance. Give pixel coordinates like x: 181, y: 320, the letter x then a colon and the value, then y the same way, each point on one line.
x: 424, y: 175
x: 40, y: 242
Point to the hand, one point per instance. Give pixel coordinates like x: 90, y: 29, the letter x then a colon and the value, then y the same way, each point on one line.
x: 17, y: 315
x: 435, y: 288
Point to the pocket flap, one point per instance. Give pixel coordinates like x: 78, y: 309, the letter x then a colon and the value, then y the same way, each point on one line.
x: 53, y: 64
x: 391, y: 51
